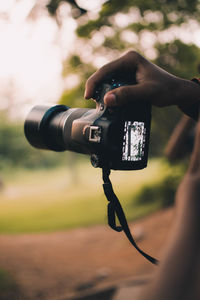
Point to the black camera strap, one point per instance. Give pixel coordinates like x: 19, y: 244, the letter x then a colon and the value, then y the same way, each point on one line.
x: 115, y: 210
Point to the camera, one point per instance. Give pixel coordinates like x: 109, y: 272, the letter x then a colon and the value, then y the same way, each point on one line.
x: 117, y: 138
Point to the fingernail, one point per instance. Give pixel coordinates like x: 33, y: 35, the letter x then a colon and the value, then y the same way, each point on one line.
x: 110, y: 99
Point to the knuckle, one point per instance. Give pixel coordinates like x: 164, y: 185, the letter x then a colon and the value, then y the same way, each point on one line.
x: 132, y: 54
x: 135, y: 56
x: 122, y: 93
x: 103, y: 70
x: 123, y: 90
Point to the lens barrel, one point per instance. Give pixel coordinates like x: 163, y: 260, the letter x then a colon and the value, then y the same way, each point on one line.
x: 50, y: 127
x: 38, y: 129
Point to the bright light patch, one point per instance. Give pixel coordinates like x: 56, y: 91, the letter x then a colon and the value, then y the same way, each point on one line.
x: 6, y: 5
x: 90, y: 4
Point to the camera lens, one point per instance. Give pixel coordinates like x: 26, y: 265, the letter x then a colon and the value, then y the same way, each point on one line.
x: 38, y: 128
x: 50, y: 127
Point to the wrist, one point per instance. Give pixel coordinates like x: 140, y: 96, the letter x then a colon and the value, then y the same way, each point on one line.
x: 189, y: 97
x: 189, y: 92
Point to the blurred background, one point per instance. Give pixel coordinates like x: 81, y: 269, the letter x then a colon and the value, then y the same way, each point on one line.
x: 48, y: 50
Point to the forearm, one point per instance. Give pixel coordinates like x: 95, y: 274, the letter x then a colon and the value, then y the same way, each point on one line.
x: 176, y: 275
x: 188, y: 96
x: 187, y: 92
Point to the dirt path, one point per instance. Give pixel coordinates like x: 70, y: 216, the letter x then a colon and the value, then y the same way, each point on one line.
x: 62, y: 264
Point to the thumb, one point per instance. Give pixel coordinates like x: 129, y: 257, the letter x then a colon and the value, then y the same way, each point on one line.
x: 127, y: 94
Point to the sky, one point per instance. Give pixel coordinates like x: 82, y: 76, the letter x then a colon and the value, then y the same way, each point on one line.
x: 33, y: 48
x: 31, y: 54
x: 32, y: 51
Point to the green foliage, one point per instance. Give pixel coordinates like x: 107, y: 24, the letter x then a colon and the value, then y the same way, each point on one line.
x: 74, y: 97
x: 113, y: 6
x: 75, y: 61
x: 161, y: 128
x: 86, y: 30
x: 75, y: 65
x: 178, y: 58
x: 53, y: 5
x: 183, y: 9
x: 161, y: 192
x: 16, y: 152
x: 115, y: 43
x: 50, y: 200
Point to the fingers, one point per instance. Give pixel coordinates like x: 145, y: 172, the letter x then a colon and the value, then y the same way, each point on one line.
x: 127, y: 94
x: 125, y: 64
x: 93, y: 81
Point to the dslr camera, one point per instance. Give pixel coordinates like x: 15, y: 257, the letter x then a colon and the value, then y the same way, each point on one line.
x: 116, y: 138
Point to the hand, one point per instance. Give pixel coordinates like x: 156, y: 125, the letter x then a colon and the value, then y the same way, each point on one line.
x: 188, y: 192
x: 153, y: 84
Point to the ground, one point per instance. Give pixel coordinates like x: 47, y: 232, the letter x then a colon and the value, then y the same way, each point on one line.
x: 65, y: 265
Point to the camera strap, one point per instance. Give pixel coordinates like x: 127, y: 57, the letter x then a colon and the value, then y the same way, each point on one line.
x: 115, y: 210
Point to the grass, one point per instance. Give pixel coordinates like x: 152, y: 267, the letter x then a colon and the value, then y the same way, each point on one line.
x: 59, y: 199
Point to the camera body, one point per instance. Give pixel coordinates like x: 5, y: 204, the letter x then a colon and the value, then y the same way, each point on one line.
x: 117, y: 138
